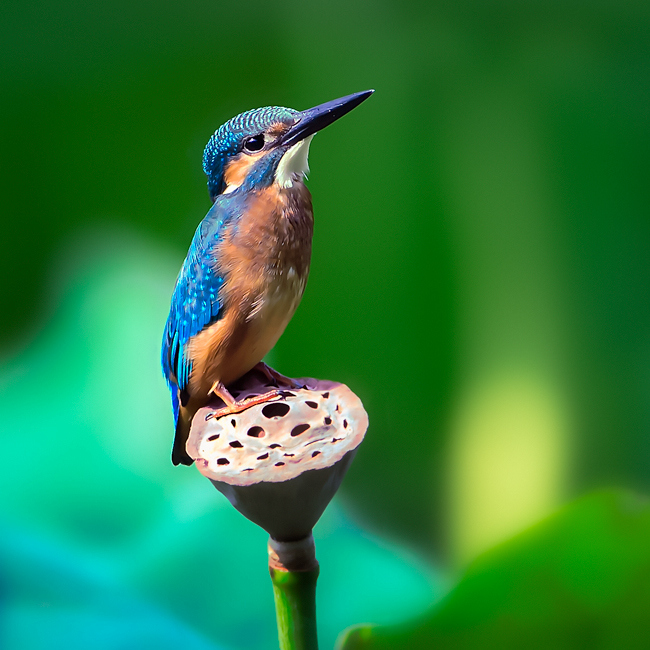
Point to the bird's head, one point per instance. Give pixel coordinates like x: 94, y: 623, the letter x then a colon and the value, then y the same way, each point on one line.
x: 268, y: 145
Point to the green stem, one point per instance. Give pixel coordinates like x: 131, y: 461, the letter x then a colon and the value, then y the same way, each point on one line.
x: 295, y: 606
x: 294, y: 572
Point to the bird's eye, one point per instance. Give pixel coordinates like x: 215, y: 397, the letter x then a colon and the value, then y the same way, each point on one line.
x: 255, y: 143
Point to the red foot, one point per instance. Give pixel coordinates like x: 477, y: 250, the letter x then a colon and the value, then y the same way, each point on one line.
x: 237, y: 406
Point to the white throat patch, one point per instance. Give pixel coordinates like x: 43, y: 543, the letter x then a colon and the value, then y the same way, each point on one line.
x: 294, y: 165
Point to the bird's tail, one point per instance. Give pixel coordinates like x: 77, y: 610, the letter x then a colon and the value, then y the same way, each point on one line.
x: 183, y: 418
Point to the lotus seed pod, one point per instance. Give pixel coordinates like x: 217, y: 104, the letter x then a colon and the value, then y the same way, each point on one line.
x: 281, y: 462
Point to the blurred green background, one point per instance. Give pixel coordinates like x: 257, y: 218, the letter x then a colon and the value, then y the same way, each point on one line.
x: 480, y: 277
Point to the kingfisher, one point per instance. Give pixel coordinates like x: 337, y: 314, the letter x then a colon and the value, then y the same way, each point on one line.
x: 247, y: 266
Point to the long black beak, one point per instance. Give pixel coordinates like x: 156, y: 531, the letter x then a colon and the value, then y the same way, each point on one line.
x: 317, y: 118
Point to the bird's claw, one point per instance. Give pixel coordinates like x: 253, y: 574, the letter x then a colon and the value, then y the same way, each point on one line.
x: 277, y: 378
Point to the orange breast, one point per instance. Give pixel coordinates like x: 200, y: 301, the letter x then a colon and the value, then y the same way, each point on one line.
x: 264, y: 259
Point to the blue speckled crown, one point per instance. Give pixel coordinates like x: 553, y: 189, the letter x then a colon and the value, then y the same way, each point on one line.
x: 227, y: 140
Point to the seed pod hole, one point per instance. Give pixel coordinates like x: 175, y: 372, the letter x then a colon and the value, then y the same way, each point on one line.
x: 275, y: 410
x: 256, y: 432
x: 300, y: 428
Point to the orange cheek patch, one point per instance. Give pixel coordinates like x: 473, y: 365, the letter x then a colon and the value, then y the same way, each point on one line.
x: 238, y: 168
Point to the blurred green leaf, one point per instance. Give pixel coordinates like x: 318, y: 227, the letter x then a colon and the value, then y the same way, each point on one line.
x: 580, y: 579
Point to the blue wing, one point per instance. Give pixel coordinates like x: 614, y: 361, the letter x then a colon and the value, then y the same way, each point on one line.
x: 195, y: 301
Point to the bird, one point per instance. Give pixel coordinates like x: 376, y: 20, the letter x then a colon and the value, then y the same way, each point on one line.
x: 247, y: 265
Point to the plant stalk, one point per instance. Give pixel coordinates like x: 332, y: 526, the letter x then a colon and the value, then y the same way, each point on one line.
x: 294, y: 572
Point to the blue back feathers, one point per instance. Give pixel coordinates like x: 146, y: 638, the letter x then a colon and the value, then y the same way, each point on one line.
x: 195, y: 301
x: 228, y: 139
